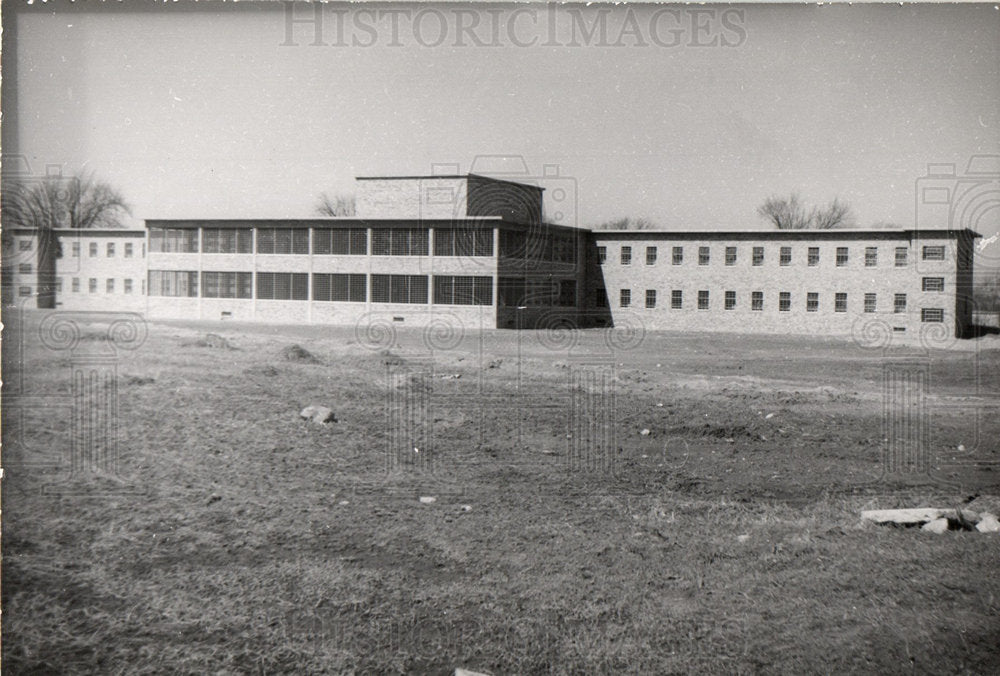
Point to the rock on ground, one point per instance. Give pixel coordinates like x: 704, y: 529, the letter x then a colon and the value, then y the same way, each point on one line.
x: 988, y: 523
x: 318, y: 414
x: 936, y: 526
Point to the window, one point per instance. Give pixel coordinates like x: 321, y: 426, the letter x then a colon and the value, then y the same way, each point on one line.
x: 871, y: 256
x: 173, y: 240
x: 704, y: 255
x: 812, y: 302
x: 173, y: 283
x: 464, y: 290
x: 730, y: 255
x: 901, y: 253
x: 933, y: 253
x: 340, y: 241
x: 870, y: 299
x: 933, y: 283
x: 931, y: 314
x: 110, y: 286
x: 650, y: 298
x: 76, y: 285
x: 24, y: 268
x: 111, y: 249
x: 785, y: 257
x: 128, y: 249
x: 899, y: 303
x: 757, y: 301
x: 463, y: 242
x: 678, y: 255
x: 76, y: 249
x: 511, y: 291
x: 92, y: 285
x: 841, y: 256
x: 410, y: 289
x: 602, y: 254
x: 127, y: 286
x: 24, y: 291
x: 24, y: 245
x: 399, y: 242
x: 283, y: 241
x: 567, y: 292
x: 703, y: 299
x: 227, y: 285
x: 93, y: 249
x: 345, y: 287
x: 59, y: 285
x: 625, y: 297
x: 650, y: 255
x: 784, y: 301
x: 730, y: 300
x: 227, y: 240
x: 840, y: 302
x: 758, y: 255
x: 626, y: 255
x: 601, y: 298
x: 283, y: 285
x: 813, y: 256
x: 676, y: 299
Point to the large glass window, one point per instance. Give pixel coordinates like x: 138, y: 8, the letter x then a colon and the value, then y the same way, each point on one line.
x: 340, y: 241
x: 463, y: 290
x: 226, y: 240
x: 399, y: 288
x: 227, y: 284
x: 173, y: 240
x: 346, y: 287
x: 283, y: 240
x: 399, y: 242
x: 283, y: 285
x: 173, y: 283
x: 463, y: 242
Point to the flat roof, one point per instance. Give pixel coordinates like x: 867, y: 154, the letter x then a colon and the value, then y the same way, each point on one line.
x: 786, y: 234
x: 99, y: 232
x: 447, y: 176
x: 353, y: 221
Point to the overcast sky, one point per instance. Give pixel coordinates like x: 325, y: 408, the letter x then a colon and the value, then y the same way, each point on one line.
x: 692, y: 121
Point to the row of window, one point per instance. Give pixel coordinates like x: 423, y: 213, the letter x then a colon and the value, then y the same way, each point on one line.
x: 109, y: 249
x: 757, y: 301
x: 335, y: 287
x: 842, y: 257
x: 110, y: 285
x: 325, y: 241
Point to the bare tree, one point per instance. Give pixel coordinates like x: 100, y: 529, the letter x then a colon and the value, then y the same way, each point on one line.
x: 627, y: 223
x: 791, y: 213
x: 48, y: 203
x: 337, y: 205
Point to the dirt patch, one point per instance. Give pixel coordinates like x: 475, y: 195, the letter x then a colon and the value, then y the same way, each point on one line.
x: 211, y: 340
x: 299, y: 354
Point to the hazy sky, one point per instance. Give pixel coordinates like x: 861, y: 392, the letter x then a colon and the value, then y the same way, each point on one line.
x: 206, y: 113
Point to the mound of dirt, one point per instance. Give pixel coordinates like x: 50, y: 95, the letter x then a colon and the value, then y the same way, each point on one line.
x: 297, y: 353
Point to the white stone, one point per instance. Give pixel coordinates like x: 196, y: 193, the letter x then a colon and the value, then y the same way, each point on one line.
x: 988, y: 523
x: 318, y: 414
x: 936, y: 526
x: 459, y: 671
x: 428, y: 499
x: 903, y: 516
x: 645, y: 432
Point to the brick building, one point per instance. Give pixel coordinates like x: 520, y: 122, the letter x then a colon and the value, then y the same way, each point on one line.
x: 474, y: 252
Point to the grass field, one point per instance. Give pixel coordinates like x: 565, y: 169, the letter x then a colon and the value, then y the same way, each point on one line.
x: 235, y: 537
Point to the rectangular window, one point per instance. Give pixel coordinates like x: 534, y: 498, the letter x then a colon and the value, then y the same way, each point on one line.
x: 841, y: 256
x: 511, y: 291
x: 110, y: 286
x: 283, y: 241
x: 870, y: 299
x: 340, y: 241
x: 813, y: 256
x: 76, y: 285
x: 127, y: 286
x: 871, y: 256
x: 933, y: 253
x: 730, y: 300
x: 626, y: 255
x: 757, y: 301
x: 650, y: 255
x: 840, y: 302
x: 24, y: 291
x: 602, y: 254
x: 410, y: 289
x: 463, y: 242
x: 92, y: 285
x: 463, y: 290
x: 678, y: 255
x: 650, y: 298
x: 227, y: 285
x: 899, y: 303
x: 173, y: 283
x: 76, y: 249
x: 931, y: 314
x: 704, y: 255
x: 59, y: 285
x: 901, y: 254
x: 173, y: 240
x: 93, y: 249
x: 283, y: 285
x: 758, y: 255
x: 24, y: 245
x: 228, y: 240
x: 24, y: 268
x: 111, y: 249
x: 340, y: 287
x: 400, y: 242
x: 812, y: 302
x: 933, y: 283
x: 601, y: 297
x: 703, y: 299
x: 128, y: 249
x: 676, y: 299
x: 785, y: 256
x: 730, y: 255
x: 784, y: 301
x: 625, y: 297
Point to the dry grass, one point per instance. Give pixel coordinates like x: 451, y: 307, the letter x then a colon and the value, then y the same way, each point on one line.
x: 241, y: 539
